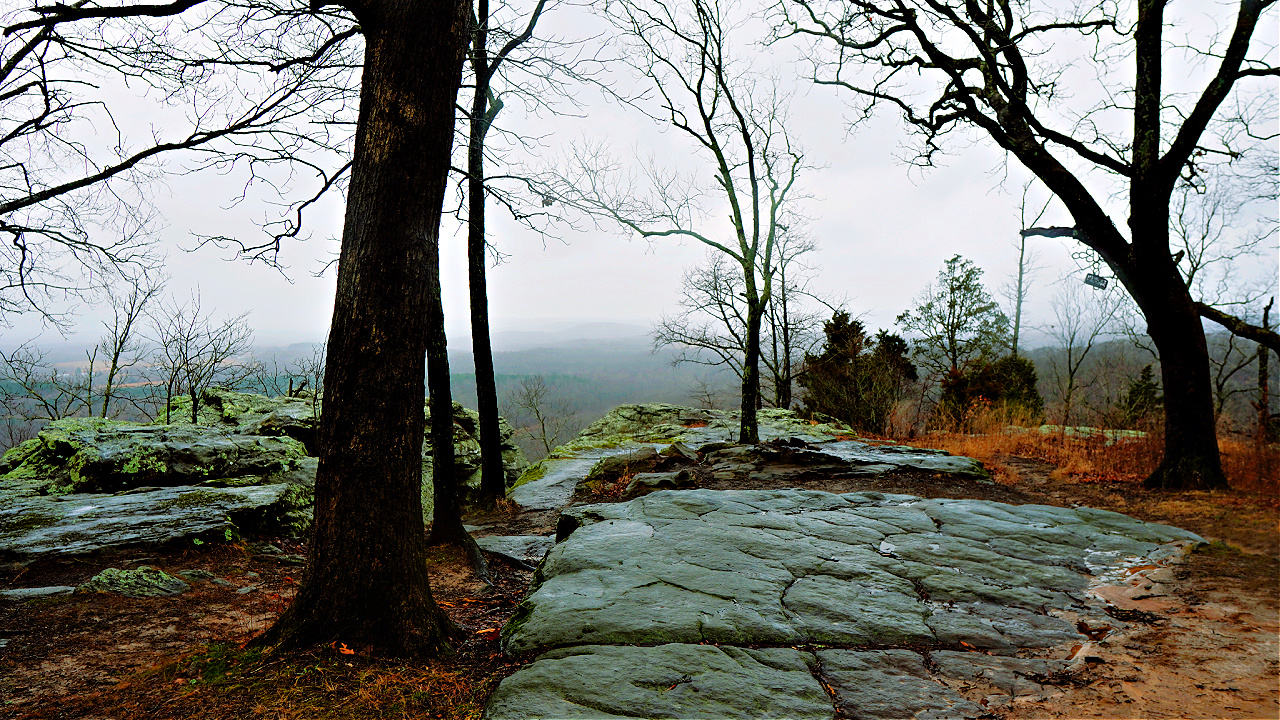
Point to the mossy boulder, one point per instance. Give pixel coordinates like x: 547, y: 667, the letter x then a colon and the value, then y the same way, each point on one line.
x: 253, y: 414
x: 142, y: 581
x: 664, y: 423
x: 466, y: 456
x: 83, y: 523
x: 97, y: 455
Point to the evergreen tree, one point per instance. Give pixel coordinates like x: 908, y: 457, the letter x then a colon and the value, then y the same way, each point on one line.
x: 855, y: 378
x: 957, y: 323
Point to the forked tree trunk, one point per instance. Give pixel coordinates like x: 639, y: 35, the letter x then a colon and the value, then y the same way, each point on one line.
x: 367, y: 582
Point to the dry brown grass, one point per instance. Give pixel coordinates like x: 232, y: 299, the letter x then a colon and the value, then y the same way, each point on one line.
x: 1251, y: 468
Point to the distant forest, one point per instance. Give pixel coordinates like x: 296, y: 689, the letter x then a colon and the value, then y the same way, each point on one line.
x: 585, y: 378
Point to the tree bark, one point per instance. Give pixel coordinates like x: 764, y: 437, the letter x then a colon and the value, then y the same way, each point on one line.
x: 1191, y: 459
x: 493, y: 479
x: 748, y: 429
x: 1264, y: 379
x: 367, y: 583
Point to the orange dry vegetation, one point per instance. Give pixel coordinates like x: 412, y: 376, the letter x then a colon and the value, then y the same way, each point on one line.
x: 1251, y: 468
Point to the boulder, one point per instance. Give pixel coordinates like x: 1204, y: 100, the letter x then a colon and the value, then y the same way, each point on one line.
x: 643, y: 483
x: 253, y: 414
x: 96, y: 455
x: 466, y: 456
x: 82, y: 523
x: 640, y: 459
x: 142, y: 581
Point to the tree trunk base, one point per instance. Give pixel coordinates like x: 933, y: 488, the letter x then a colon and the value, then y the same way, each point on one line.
x: 469, y: 545
x: 398, y: 637
x: 1188, y: 473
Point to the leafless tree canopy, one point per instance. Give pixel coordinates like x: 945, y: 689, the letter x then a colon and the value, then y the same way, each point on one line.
x: 195, y: 352
x: 710, y: 326
x: 738, y: 126
x: 262, y: 89
x: 1013, y: 70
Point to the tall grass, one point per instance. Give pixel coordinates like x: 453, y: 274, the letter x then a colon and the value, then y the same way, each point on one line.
x: 990, y: 433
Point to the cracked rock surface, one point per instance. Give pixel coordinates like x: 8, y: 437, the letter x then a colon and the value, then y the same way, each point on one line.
x: 637, y: 432
x: 881, y: 598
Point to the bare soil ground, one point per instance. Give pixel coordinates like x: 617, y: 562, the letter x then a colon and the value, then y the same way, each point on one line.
x: 1208, y: 650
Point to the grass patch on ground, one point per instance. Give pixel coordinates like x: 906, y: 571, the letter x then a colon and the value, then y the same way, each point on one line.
x: 224, y: 682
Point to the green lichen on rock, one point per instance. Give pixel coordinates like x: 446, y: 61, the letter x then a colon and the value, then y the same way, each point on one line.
x: 534, y: 472
x: 96, y: 455
x: 220, y: 406
x: 26, y: 522
x: 143, y: 581
x: 194, y: 498
x: 14, y: 456
x: 466, y: 459
x: 664, y: 423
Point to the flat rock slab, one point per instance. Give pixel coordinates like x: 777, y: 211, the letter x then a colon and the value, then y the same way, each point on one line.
x: 86, y: 523
x: 22, y: 594
x: 777, y: 569
x: 787, y: 567
x: 708, y: 681
x: 669, y: 681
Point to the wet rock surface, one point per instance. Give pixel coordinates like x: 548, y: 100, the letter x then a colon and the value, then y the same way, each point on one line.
x: 623, y: 444
x: 902, y: 606
x: 142, y: 581
x: 88, y: 484
x: 87, y: 455
x: 84, y: 523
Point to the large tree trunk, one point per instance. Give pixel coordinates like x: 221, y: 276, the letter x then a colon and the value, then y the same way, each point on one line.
x: 367, y: 579
x: 1264, y: 379
x: 1191, y: 460
x: 493, y: 480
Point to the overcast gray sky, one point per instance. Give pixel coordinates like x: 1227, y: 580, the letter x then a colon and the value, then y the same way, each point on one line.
x: 883, y: 231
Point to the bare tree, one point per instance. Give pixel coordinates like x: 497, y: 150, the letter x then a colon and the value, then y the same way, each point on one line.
x: 302, y: 374
x: 543, y: 418
x: 683, y: 51
x: 194, y: 352
x: 711, y: 324
x: 1082, y: 319
x: 485, y: 106
x: 237, y: 86
x: 368, y: 545
x: 121, y: 346
x: 32, y: 389
x: 998, y: 67
x: 1028, y: 266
